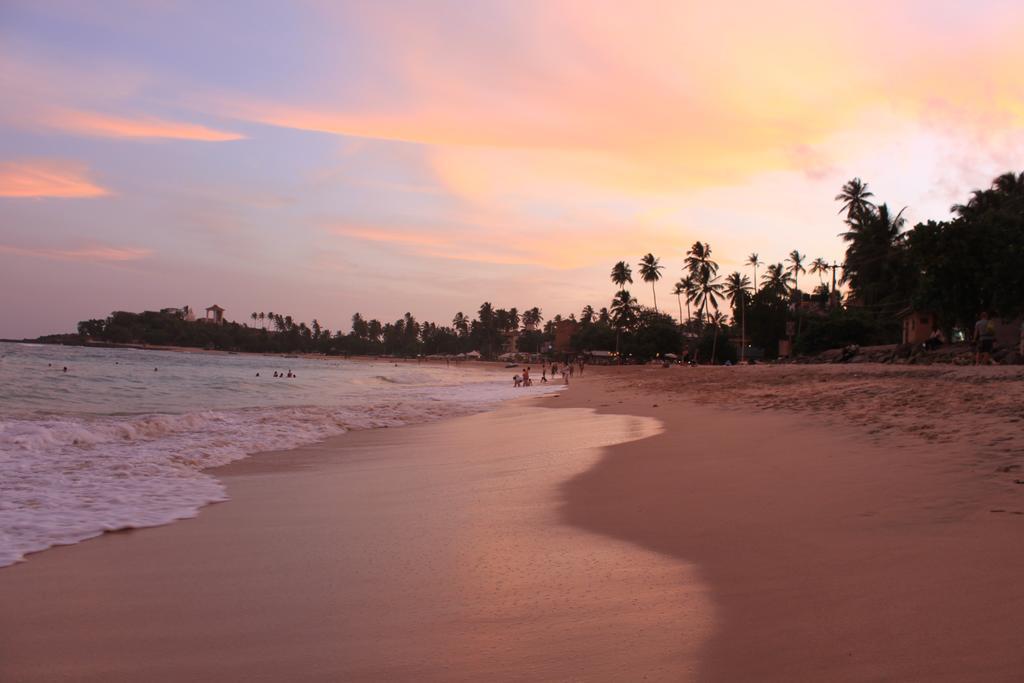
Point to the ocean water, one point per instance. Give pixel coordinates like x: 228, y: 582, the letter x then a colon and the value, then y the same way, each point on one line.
x: 121, y: 439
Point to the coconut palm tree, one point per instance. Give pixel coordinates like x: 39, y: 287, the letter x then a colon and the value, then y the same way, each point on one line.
x: 603, y: 316
x: 587, y: 314
x: 737, y: 288
x: 532, y: 318
x: 698, y: 261
x: 255, y: 316
x: 777, y: 280
x: 650, y: 271
x: 796, y: 266
x: 679, y: 289
x: 623, y: 314
x: 689, y: 291
x: 754, y: 260
x: 855, y: 198
x: 873, y: 241
x: 708, y: 290
x: 621, y: 274
x: 461, y: 324
x: 819, y: 266
x: 263, y: 320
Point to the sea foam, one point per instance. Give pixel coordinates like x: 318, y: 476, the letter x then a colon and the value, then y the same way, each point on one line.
x: 66, y: 478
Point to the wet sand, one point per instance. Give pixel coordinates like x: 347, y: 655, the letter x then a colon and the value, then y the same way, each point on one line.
x: 432, y: 552
x: 625, y: 535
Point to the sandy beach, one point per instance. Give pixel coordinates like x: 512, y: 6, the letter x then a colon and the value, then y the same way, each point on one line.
x: 765, y: 523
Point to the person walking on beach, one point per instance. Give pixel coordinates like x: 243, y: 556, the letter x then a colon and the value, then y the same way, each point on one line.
x: 984, y: 337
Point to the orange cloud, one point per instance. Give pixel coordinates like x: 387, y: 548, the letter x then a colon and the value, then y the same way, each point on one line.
x: 490, y: 237
x: 371, y: 234
x: 93, y: 254
x: 47, y: 178
x: 104, y: 125
x: 660, y: 97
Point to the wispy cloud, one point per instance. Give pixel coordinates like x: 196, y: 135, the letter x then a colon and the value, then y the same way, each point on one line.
x: 47, y: 178
x: 90, y: 254
x: 105, y: 125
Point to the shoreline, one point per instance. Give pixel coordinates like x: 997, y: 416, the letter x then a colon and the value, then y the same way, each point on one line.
x: 457, y: 362
x: 727, y: 541
x: 421, y: 553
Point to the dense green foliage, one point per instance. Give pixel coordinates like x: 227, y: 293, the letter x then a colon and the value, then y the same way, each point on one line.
x: 954, y: 269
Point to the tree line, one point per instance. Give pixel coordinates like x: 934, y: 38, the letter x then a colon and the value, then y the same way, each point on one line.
x: 953, y: 269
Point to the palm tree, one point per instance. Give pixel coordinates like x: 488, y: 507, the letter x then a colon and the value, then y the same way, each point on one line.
x: 689, y: 289
x: 777, y: 280
x: 271, y: 317
x: 603, y: 316
x: 679, y: 289
x: 708, y: 291
x: 819, y: 266
x: 737, y: 288
x: 461, y: 324
x: 855, y: 197
x: 587, y: 314
x: 488, y: 324
x: 263, y: 320
x: 624, y: 310
x: 1005, y: 186
x: 796, y: 266
x: 532, y: 318
x: 873, y: 242
x: 698, y: 261
x: 650, y: 271
x: 754, y: 260
x: 255, y: 316
x: 621, y: 274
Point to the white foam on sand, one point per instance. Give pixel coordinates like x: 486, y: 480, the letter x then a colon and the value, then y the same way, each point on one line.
x: 69, y: 478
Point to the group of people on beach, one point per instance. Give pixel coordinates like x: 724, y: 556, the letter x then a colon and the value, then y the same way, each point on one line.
x: 568, y: 369
x: 282, y: 375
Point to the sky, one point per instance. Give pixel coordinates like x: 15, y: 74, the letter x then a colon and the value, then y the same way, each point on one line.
x: 322, y: 158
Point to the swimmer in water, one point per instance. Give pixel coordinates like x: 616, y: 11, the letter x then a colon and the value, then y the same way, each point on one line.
x: 65, y: 368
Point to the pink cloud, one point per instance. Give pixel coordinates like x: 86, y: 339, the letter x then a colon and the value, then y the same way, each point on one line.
x: 90, y: 254
x: 105, y: 125
x: 47, y: 178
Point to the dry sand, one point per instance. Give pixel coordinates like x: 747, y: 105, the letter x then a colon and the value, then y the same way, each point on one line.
x: 862, y: 535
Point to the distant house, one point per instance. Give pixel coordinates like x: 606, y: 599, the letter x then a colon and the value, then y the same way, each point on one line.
x: 917, y: 325
x: 185, y: 312
x: 602, y: 357
x: 215, y: 315
x: 510, y: 341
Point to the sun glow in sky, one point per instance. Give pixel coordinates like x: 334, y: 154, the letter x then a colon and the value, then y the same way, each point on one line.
x: 319, y: 158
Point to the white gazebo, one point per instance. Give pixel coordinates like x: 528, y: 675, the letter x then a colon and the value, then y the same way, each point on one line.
x: 215, y: 315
